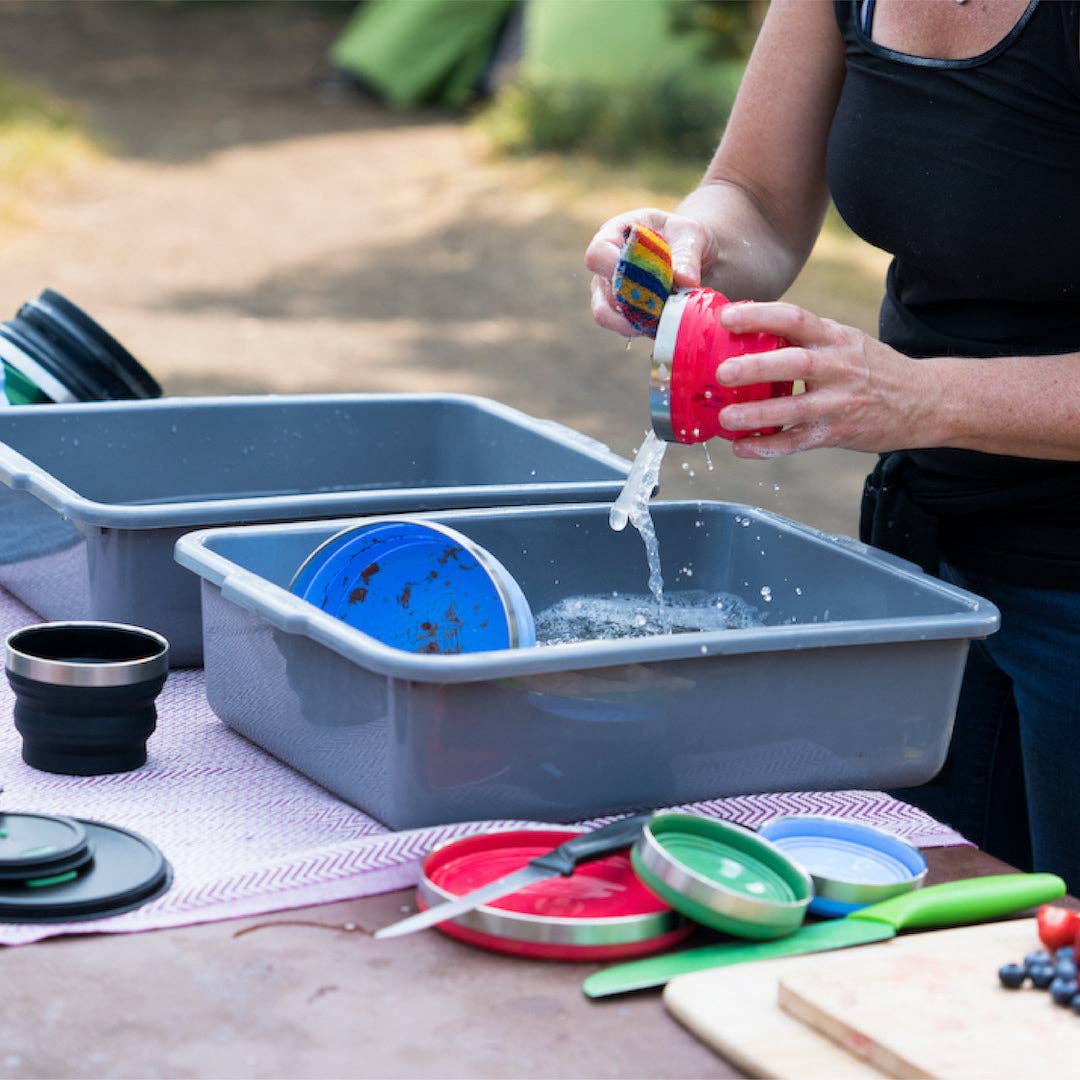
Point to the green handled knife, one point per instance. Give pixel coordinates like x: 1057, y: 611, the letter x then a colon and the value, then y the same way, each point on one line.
x: 956, y: 903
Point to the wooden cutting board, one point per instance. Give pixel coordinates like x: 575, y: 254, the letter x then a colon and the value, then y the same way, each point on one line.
x: 735, y: 1011
x: 932, y: 1006
x: 922, y: 994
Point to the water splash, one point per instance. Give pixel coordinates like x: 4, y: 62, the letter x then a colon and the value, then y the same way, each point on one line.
x: 632, y: 506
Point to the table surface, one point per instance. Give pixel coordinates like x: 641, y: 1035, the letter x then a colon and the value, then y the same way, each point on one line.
x: 310, y: 993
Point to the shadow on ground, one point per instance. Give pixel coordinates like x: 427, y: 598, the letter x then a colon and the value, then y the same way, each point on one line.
x: 175, y: 80
x: 251, y: 235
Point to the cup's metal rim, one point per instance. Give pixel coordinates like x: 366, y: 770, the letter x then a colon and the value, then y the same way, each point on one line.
x: 710, y: 893
x: 546, y: 929
x: 495, y: 571
x: 663, y: 353
x: 32, y: 370
x: 554, y: 929
x: 848, y: 891
x: 103, y: 673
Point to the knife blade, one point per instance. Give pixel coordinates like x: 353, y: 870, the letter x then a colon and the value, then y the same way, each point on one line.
x: 561, y: 860
x: 955, y: 903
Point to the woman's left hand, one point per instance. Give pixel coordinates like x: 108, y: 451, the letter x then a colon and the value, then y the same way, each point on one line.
x: 860, y: 394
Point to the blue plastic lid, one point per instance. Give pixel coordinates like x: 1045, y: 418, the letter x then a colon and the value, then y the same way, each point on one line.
x: 852, y: 865
x: 417, y: 586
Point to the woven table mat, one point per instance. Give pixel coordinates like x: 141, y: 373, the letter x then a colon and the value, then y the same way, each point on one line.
x: 247, y: 835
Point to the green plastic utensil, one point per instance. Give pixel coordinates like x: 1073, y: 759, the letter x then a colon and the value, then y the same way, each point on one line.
x: 956, y: 903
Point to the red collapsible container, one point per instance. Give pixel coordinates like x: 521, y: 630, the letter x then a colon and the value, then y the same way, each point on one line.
x: 684, y: 397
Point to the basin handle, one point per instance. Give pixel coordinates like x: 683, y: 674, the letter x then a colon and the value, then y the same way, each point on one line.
x: 279, y: 608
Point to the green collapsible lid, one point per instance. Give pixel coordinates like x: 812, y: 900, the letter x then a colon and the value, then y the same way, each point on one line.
x: 722, y: 876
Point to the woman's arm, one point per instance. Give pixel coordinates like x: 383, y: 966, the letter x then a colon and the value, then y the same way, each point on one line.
x: 750, y: 225
x: 864, y: 395
x: 764, y: 195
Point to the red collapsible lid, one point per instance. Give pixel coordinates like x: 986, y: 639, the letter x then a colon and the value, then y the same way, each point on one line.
x: 600, y: 912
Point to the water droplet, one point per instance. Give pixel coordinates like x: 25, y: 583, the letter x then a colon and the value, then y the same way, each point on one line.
x: 766, y: 593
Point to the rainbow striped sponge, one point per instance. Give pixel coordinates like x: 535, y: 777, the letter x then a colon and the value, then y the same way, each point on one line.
x: 643, y: 277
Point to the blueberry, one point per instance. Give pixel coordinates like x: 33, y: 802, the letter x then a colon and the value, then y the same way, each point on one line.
x: 1064, y: 990
x: 1076, y: 1004
x: 1042, y: 975
x: 1064, y: 953
x: 1012, y: 975
x: 1034, y: 958
x: 1065, y: 969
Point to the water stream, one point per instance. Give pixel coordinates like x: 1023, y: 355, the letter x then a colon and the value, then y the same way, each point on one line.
x: 632, y: 506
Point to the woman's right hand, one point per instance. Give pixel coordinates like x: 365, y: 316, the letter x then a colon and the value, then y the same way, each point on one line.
x: 692, y: 253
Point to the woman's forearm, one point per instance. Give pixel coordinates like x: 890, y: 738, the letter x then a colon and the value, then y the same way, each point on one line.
x: 764, y: 195
x: 861, y: 394
x: 1024, y: 406
x: 752, y: 260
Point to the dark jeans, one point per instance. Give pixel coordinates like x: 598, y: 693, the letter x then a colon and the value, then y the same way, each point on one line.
x: 1011, y: 782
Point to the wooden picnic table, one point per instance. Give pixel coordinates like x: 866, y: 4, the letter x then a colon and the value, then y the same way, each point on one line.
x: 309, y: 993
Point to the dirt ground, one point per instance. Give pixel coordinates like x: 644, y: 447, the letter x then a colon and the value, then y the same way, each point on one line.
x: 246, y: 232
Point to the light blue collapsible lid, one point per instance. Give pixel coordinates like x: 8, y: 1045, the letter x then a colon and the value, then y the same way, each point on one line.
x: 417, y: 586
x: 851, y: 865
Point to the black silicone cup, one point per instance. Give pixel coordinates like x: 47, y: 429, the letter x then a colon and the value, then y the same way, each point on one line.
x: 78, y: 352
x: 85, y: 730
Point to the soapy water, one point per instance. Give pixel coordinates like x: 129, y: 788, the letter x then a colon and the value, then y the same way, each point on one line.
x: 606, y: 618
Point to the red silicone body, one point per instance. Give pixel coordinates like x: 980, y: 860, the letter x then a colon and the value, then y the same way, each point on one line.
x: 702, y: 344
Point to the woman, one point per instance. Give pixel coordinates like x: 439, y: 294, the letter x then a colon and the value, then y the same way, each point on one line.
x: 947, y: 133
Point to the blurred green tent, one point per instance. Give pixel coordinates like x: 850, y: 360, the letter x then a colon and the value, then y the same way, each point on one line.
x: 447, y: 52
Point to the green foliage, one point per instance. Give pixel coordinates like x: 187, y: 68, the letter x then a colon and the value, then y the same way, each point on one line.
x: 667, y: 116
x: 37, y: 134
x: 726, y: 29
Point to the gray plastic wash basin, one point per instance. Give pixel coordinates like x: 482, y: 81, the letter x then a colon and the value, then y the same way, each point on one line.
x: 849, y: 679
x: 94, y: 496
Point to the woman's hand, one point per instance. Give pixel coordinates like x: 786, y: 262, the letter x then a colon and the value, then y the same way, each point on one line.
x: 860, y: 394
x: 692, y: 252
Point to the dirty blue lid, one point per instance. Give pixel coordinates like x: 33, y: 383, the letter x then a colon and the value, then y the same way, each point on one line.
x: 852, y: 865
x: 417, y: 586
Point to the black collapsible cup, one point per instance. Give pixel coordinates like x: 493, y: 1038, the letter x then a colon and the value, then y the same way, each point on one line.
x: 54, y: 352
x: 85, y: 694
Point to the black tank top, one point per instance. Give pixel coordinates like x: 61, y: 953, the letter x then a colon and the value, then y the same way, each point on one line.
x: 968, y: 173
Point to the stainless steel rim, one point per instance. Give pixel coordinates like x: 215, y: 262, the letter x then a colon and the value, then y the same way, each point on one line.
x: 856, y: 892
x: 554, y: 930
x: 28, y: 367
x: 24, y: 662
x: 710, y: 894
x: 483, y: 557
x: 667, y: 332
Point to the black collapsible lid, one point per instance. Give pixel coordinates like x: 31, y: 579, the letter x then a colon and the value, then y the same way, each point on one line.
x: 79, y: 352
x: 127, y: 871
x: 40, y: 845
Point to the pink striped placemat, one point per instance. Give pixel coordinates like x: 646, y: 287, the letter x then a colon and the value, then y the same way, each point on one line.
x: 247, y: 835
